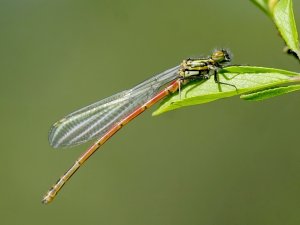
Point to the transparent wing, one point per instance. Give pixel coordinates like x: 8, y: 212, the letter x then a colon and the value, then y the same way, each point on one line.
x: 95, y: 120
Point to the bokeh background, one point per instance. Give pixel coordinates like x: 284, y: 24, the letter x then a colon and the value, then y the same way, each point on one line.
x: 227, y: 162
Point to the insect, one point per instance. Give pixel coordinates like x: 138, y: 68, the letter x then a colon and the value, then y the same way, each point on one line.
x: 104, y: 118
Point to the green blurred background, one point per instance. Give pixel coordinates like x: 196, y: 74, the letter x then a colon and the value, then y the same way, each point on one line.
x: 227, y: 162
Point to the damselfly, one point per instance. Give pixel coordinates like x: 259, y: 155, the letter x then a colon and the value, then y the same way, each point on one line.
x: 104, y: 118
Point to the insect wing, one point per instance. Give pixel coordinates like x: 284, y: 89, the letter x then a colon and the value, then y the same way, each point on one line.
x: 96, y: 119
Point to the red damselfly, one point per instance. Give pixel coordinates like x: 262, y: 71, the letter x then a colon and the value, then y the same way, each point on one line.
x: 104, y: 118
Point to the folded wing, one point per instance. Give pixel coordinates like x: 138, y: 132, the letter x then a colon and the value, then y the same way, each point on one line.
x: 95, y: 120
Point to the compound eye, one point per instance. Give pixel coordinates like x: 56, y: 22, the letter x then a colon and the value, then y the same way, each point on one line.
x: 218, y: 56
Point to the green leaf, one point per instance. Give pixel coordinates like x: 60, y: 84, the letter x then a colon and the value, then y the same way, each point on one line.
x: 284, y: 19
x: 245, y: 78
x: 270, y: 93
x: 266, y: 6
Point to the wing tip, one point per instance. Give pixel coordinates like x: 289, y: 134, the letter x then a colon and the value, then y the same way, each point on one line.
x: 54, y: 143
